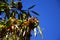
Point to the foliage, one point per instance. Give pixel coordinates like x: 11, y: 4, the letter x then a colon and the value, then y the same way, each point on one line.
x: 12, y: 28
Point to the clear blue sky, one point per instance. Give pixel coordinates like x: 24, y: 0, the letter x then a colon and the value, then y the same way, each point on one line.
x: 49, y: 18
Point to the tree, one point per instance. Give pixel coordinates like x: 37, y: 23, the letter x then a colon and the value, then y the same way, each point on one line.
x: 17, y: 29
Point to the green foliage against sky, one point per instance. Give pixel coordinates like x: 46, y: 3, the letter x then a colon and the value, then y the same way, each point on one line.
x: 12, y: 28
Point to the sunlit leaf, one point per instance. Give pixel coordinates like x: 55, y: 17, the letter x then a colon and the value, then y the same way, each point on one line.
x: 2, y: 9
x: 1, y: 26
x: 40, y: 31
x: 13, y: 13
x: 35, y: 32
x: 24, y: 33
x: 24, y: 14
x: 3, y: 22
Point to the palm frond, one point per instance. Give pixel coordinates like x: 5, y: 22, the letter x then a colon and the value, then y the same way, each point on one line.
x: 29, y: 14
x: 7, y: 13
x: 35, y: 32
x: 18, y: 16
x: 24, y: 24
x: 31, y: 7
x: 40, y: 31
x: 35, y: 13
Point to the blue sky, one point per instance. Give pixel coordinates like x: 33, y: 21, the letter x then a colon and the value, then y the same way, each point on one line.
x: 49, y: 18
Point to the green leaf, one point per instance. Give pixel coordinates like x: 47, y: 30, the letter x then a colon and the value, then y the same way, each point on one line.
x: 13, y: 14
x: 2, y: 9
x: 3, y: 22
x: 20, y: 21
x: 8, y: 23
x: 1, y: 26
x: 18, y: 16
